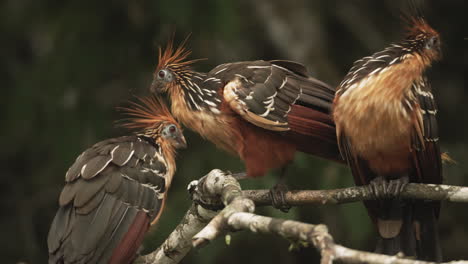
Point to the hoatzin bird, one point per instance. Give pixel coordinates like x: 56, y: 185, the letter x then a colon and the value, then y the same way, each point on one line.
x: 116, y: 189
x: 386, y: 125
x: 261, y: 111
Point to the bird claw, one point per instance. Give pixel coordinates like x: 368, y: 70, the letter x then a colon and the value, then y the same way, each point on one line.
x: 395, y: 187
x: 378, y: 187
x: 382, y: 188
x: 278, y: 199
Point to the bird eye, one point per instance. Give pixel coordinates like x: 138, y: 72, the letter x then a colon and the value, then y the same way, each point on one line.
x: 164, y: 75
x: 161, y: 74
x: 172, y: 129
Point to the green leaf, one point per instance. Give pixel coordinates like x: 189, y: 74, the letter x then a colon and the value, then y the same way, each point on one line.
x: 296, y: 245
x: 227, y: 239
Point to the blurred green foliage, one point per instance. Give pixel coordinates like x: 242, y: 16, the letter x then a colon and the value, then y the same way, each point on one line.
x: 65, y: 65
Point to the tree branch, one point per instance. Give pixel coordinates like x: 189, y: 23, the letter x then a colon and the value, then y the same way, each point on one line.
x: 318, y: 236
x: 218, y: 189
x: 209, y: 191
x: 226, y: 186
x: 361, y: 193
x: 178, y: 244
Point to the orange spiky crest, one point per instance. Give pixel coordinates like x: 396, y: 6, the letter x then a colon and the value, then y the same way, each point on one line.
x: 174, y: 58
x: 173, y: 69
x: 422, y: 39
x: 417, y: 26
x: 149, y: 114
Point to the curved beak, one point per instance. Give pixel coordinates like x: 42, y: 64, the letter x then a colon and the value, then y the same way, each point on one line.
x: 154, y: 86
x: 439, y: 52
x: 181, y: 143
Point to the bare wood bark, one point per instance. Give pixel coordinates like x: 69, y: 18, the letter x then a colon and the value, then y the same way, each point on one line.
x: 318, y: 236
x: 209, y: 190
x: 352, y: 256
x: 178, y: 244
x: 361, y: 193
x: 219, y: 183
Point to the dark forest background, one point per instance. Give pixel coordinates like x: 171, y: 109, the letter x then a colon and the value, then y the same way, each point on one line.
x: 66, y: 65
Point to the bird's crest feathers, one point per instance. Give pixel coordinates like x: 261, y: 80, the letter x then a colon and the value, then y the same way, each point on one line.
x: 173, y: 57
x: 418, y: 25
x: 148, y: 112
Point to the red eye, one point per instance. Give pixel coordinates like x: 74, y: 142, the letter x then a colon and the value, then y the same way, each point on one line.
x: 172, y: 129
x: 161, y: 73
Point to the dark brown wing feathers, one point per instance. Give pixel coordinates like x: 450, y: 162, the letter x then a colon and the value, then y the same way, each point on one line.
x: 106, y: 209
x: 293, y: 66
x: 427, y: 169
x: 284, y: 98
x: 125, y: 251
x: 313, y: 132
x: 270, y: 89
x: 426, y: 154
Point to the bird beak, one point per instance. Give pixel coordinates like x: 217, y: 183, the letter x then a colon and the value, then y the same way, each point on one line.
x: 155, y: 87
x: 439, y: 52
x: 181, y: 142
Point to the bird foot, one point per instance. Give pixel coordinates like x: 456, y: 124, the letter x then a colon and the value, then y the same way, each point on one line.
x: 278, y: 197
x: 395, y: 187
x: 382, y: 188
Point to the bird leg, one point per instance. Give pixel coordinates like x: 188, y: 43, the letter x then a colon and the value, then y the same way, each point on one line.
x: 396, y: 186
x: 378, y: 187
x: 278, y: 193
x: 382, y: 188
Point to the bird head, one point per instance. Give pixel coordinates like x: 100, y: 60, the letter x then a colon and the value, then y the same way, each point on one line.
x: 173, y: 69
x: 154, y: 120
x: 173, y: 133
x: 421, y: 38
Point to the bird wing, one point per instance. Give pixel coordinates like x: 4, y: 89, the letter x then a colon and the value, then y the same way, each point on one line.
x: 371, y: 65
x: 264, y: 92
x: 425, y: 147
x: 427, y: 163
x: 361, y: 172
x: 113, y: 192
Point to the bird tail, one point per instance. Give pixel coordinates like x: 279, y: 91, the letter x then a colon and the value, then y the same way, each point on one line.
x: 311, y: 123
x: 313, y: 132
x: 82, y: 242
x: 394, y: 226
x: 409, y: 227
x: 427, y: 235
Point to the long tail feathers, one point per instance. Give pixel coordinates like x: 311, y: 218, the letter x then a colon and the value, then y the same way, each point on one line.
x: 395, y: 229
x: 428, y: 242
x: 313, y: 132
x: 416, y: 226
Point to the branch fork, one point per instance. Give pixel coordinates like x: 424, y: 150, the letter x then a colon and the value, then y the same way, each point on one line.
x: 220, y: 206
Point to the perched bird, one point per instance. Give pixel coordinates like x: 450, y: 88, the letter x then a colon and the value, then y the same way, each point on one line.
x: 386, y: 125
x: 116, y: 189
x: 261, y: 111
